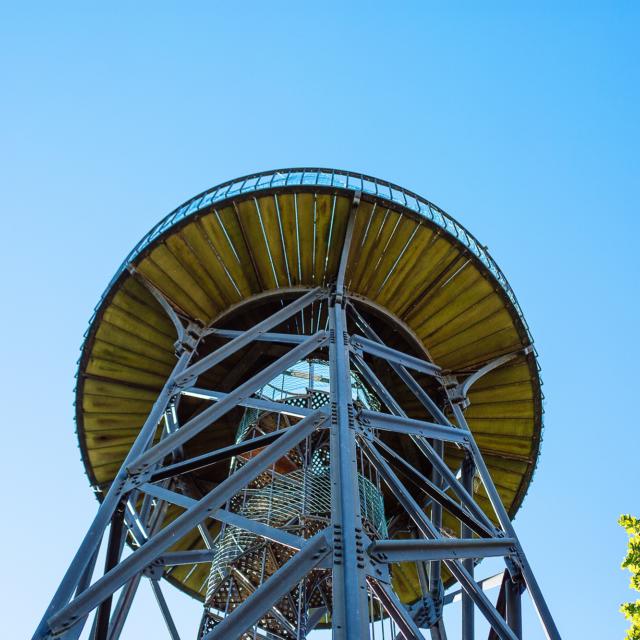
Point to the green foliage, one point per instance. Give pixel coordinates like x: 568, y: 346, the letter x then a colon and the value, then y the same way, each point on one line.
x: 631, y: 610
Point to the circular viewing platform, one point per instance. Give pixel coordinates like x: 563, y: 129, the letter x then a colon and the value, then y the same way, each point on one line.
x: 236, y: 253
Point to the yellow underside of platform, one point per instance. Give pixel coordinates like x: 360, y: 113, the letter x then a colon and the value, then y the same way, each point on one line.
x: 224, y: 256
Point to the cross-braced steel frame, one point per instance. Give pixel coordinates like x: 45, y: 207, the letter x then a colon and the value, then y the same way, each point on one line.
x: 359, y: 566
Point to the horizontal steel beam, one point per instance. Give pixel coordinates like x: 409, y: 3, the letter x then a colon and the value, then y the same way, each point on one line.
x: 360, y: 343
x: 411, y: 550
x: 228, y: 517
x: 398, y: 424
x: 252, y: 403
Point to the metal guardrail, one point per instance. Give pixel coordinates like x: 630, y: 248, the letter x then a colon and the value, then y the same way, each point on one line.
x: 326, y: 178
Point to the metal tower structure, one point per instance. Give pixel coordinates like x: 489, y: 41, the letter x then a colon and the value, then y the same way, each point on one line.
x: 308, y: 398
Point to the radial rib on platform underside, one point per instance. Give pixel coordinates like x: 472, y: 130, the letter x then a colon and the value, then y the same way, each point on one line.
x: 290, y: 238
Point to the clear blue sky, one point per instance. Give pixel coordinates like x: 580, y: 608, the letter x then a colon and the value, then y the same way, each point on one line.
x: 522, y: 122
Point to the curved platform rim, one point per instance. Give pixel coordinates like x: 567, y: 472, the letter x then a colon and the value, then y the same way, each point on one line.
x: 328, y: 178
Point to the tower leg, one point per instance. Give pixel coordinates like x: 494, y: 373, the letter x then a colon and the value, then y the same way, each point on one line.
x: 114, y: 549
x: 350, y: 603
x: 435, y: 570
x: 468, y: 622
x: 514, y: 607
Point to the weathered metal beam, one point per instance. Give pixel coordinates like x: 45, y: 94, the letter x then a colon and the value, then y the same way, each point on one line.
x: 412, y: 550
x: 375, y: 348
x: 349, y: 586
x: 399, y: 424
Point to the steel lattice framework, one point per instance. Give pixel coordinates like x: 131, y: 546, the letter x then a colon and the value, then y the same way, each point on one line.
x: 333, y: 560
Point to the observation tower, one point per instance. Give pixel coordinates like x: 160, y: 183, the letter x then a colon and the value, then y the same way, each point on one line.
x: 309, y: 399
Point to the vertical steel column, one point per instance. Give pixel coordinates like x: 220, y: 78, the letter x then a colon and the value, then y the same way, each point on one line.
x: 435, y: 566
x: 514, y: 606
x: 350, y: 599
x: 468, y: 470
x: 114, y: 549
x: 436, y: 518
